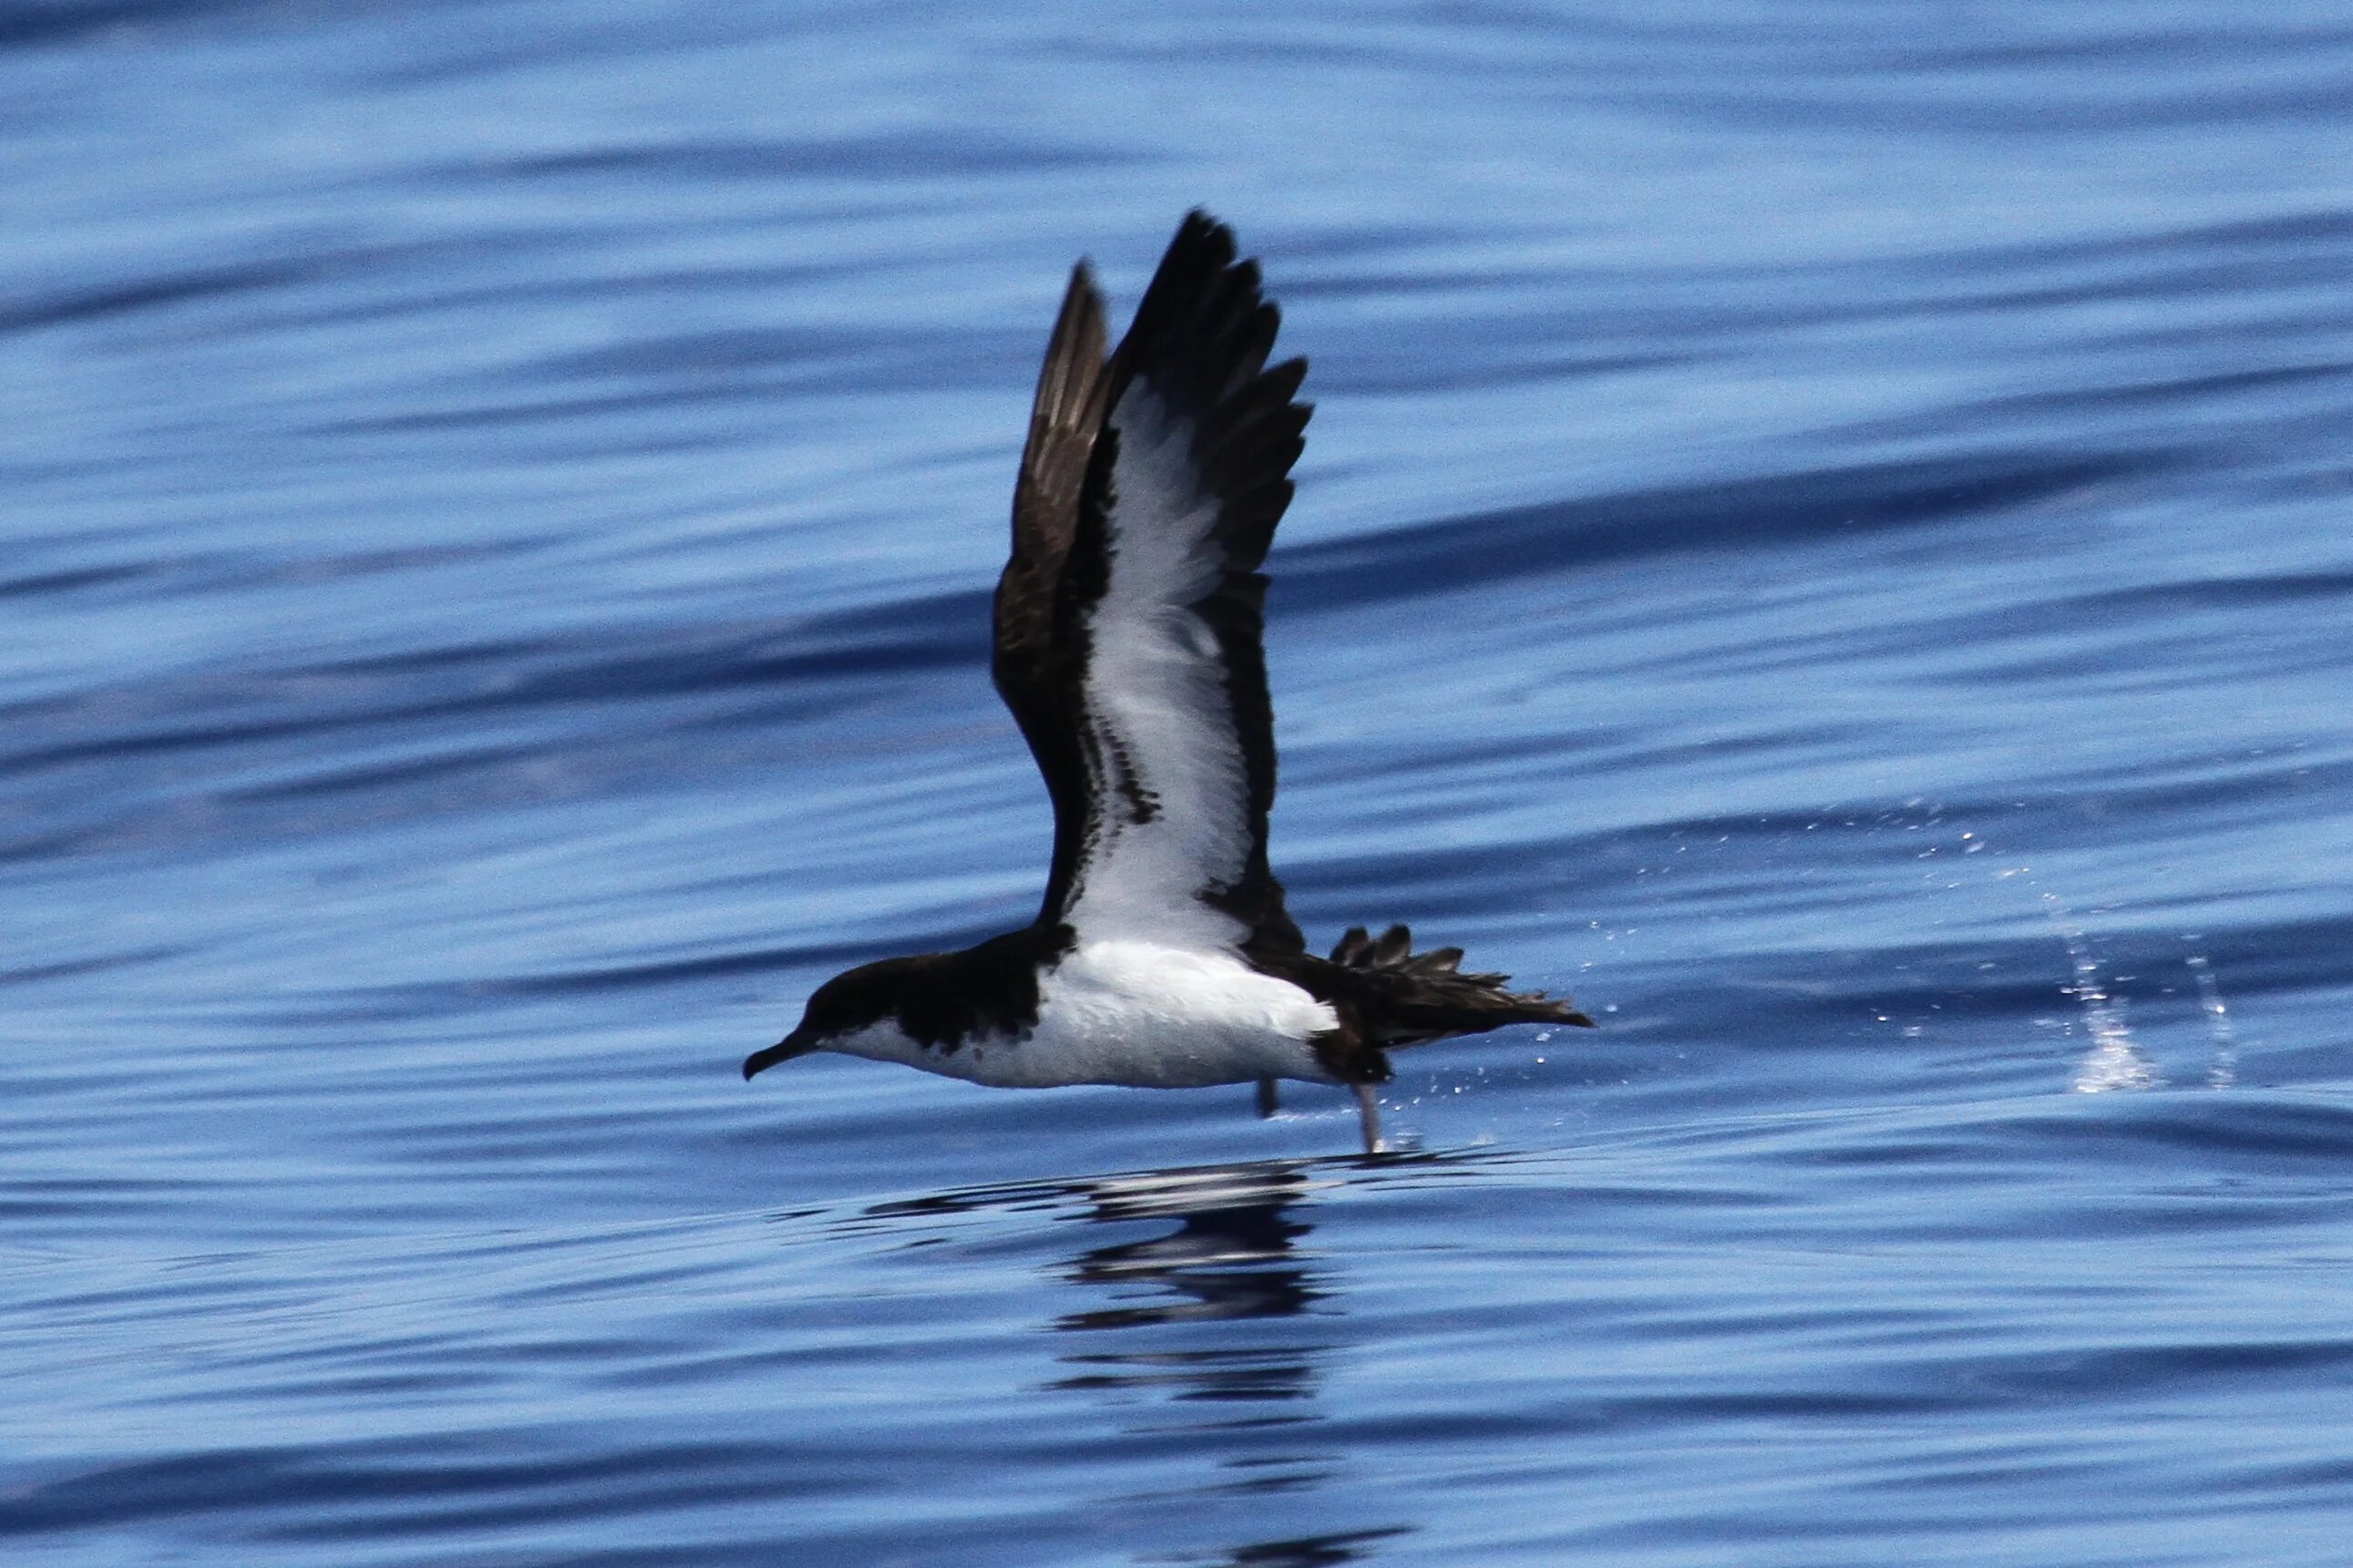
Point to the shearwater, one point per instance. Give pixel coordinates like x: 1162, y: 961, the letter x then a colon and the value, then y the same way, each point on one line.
x: 1128, y: 628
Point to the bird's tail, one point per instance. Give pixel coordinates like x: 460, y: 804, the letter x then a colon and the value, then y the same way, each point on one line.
x: 1423, y: 996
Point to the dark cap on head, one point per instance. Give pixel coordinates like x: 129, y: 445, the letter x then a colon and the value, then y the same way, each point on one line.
x: 843, y: 1005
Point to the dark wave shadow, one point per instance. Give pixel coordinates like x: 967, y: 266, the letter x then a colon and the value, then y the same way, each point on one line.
x: 1765, y: 514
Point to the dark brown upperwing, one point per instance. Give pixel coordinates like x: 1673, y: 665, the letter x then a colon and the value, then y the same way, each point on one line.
x: 1063, y: 422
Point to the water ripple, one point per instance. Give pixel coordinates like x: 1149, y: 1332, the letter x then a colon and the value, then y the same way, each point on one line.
x: 1822, y: 535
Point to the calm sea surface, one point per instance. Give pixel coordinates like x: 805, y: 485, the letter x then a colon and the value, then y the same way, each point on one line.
x: 1826, y: 534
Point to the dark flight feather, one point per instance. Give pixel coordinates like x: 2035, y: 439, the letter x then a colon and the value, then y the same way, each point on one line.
x: 1064, y: 420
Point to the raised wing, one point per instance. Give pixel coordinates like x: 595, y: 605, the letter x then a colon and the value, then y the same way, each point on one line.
x: 1064, y: 421
x: 1158, y: 615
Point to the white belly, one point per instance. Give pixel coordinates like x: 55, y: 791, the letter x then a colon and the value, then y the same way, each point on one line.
x: 1136, y: 1013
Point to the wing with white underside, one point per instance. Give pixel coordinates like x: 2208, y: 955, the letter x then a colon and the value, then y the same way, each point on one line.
x: 1158, y: 617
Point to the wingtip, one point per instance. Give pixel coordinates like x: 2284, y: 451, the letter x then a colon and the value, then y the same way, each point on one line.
x: 1202, y: 244
x: 1082, y: 300
x: 1201, y: 220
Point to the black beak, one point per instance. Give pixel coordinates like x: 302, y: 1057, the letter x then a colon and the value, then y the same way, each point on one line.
x: 793, y: 1044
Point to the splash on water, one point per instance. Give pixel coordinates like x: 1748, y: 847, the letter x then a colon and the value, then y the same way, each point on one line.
x: 2224, y: 1070
x: 2115, y: 1060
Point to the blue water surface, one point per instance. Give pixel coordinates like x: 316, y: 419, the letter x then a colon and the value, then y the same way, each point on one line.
x: 1825, y: 534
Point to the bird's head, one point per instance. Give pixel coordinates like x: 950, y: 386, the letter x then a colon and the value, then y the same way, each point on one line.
x: 855, y: 1012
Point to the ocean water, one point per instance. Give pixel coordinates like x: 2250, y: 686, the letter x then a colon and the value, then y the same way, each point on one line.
x: 1825, y: 534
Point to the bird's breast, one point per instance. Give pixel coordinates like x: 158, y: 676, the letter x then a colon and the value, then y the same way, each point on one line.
x: 1138, y: 1013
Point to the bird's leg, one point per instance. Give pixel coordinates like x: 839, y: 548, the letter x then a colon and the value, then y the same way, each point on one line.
x: 1269, y: 1102
x: 1368, y: 1110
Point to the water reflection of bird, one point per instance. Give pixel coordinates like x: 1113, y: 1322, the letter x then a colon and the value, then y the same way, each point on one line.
x: 1305, y: 1551
x: 1220, y: 1311
x: 1233, y: 1256
x: 1228, y: 1261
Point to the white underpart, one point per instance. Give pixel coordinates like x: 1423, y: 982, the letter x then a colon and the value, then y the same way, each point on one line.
x: 1155, y: 693
x: 1136, y: 1013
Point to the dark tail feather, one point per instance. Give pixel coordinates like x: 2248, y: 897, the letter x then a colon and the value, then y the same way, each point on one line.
x: 1423, y: 996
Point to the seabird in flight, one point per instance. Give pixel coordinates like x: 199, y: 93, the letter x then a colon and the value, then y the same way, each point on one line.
x: 1127, y: 646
